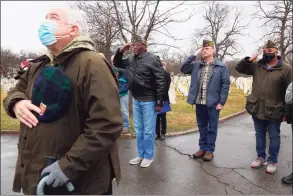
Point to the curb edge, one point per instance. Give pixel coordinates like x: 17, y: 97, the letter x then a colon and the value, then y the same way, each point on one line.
x: 173, y: 134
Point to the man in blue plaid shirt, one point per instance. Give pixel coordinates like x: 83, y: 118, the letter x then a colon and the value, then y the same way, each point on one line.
x: 209, y: 88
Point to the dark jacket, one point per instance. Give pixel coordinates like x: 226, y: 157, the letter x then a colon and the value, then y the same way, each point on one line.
x: 122, y: 81
x: 219, y: 84
x: 145, y: 74
x: 168, y: 82
x: 84, y: 139
x: 267, y: 99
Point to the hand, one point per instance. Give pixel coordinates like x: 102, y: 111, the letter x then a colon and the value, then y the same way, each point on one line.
x: 219, y: 106
x: 256, y: 54
x: 125, y: 47
x: 158, y: 108
x: 198, y: 51
x: 22, y: 110
x: 56, y: 176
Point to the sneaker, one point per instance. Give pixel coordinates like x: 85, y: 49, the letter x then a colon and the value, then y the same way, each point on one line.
x: 158, y: 137
x: 271, y: 168
x: 259, y: 162
x: 146, y: 163
x: 135, y: 161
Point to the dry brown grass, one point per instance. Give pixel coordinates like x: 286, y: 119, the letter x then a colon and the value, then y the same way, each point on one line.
x: 182, y: 116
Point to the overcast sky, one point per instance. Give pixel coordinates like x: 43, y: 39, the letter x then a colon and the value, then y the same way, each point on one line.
x: 20, y: 21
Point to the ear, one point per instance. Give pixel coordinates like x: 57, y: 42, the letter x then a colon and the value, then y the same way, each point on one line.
x: 74, y: 30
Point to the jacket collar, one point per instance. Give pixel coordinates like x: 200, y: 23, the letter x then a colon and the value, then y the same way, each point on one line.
x: 277, y: 66
x: 216, y: 63
x: 143, y: 54
x: 60, y: 58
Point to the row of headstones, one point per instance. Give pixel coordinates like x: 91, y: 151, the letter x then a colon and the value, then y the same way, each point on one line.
x: 179, y: 83
x: 182, y: 84
x: 7, y: 84
x: 242, y: 83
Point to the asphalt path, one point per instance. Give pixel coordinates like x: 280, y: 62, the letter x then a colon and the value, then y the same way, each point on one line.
x: 173, y: 172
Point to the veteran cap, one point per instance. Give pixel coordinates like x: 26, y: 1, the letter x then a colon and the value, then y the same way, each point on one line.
x: 270, y: 44
x: 139, y: 39
x: 207, y: 43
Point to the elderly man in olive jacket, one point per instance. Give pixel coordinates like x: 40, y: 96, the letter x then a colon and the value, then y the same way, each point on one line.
x: 79, y: 146
x: 266, y: 104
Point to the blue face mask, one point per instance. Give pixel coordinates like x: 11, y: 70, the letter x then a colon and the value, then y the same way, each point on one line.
x: 47, y: 32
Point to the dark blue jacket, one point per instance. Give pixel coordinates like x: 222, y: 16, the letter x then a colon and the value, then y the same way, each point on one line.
x: 219, y: 84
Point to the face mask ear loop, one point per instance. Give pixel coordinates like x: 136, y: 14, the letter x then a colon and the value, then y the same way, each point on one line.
x: 61, y: 37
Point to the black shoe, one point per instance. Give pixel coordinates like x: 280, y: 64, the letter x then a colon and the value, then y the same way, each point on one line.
x: 288, y: 179
x: 158, y: 137
x: 162, y: 138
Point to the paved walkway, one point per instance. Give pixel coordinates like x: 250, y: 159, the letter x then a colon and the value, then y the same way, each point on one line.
x: 173, y: 172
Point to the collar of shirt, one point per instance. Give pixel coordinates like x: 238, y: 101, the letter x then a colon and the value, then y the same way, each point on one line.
x: 142, y: 55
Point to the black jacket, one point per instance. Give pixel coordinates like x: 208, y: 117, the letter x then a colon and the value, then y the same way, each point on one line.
x: 168, y: 82
x: 145, y: 74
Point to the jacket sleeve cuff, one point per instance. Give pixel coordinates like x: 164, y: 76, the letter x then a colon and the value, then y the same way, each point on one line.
x: 11, y: 104
x: 159, y: 102
x: 192, y: 57
x: 246, y: 59
x: 66, y: 169
x: 118, y: 52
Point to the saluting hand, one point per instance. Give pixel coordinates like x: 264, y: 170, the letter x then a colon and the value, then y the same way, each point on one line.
x: 198, y: 51
x: 125, y: 47
x: 256, y: 54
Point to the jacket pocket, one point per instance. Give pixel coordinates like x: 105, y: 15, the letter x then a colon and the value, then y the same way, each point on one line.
x: 252, y: 105
x: 274, y: 110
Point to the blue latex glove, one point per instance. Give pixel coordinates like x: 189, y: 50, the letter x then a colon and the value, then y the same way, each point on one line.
x: 56, y: 176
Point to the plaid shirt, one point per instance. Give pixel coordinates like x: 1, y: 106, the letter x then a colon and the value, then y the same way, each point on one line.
x: 205, y: 75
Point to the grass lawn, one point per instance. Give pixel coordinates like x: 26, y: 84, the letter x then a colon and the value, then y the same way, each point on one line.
x: 7, y: 123
x: 181, y: 118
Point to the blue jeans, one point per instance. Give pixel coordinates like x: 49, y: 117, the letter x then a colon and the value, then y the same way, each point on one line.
x: 207, y: 121
x: 145, y: 116
x: 261, y: 128
x: 124, y: 102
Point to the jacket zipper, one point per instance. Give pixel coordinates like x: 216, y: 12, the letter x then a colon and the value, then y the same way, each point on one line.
x: 134, y: 71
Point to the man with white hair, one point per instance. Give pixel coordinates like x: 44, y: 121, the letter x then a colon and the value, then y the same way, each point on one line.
x: 68, y: 106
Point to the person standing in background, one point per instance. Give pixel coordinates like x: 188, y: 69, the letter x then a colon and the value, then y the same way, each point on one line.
x: 146, y: 79
x: 266, y: 103
x: 123, y: 94
x: 209, y: 89
x: 289, y: 101
x: 161, y: 124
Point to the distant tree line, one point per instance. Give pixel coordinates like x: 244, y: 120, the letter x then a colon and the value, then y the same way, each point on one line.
x: 10, y: 61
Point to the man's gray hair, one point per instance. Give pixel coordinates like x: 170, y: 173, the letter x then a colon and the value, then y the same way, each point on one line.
x: 78, y: 18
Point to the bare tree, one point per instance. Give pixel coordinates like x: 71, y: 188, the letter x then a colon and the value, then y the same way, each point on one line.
x: 173, y: 60
x: 11, y: 60
x: 218, y: 17
x: 133, y: 18
x: 146, y: 18
x: 103, y: 29
x: 277, y: 17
